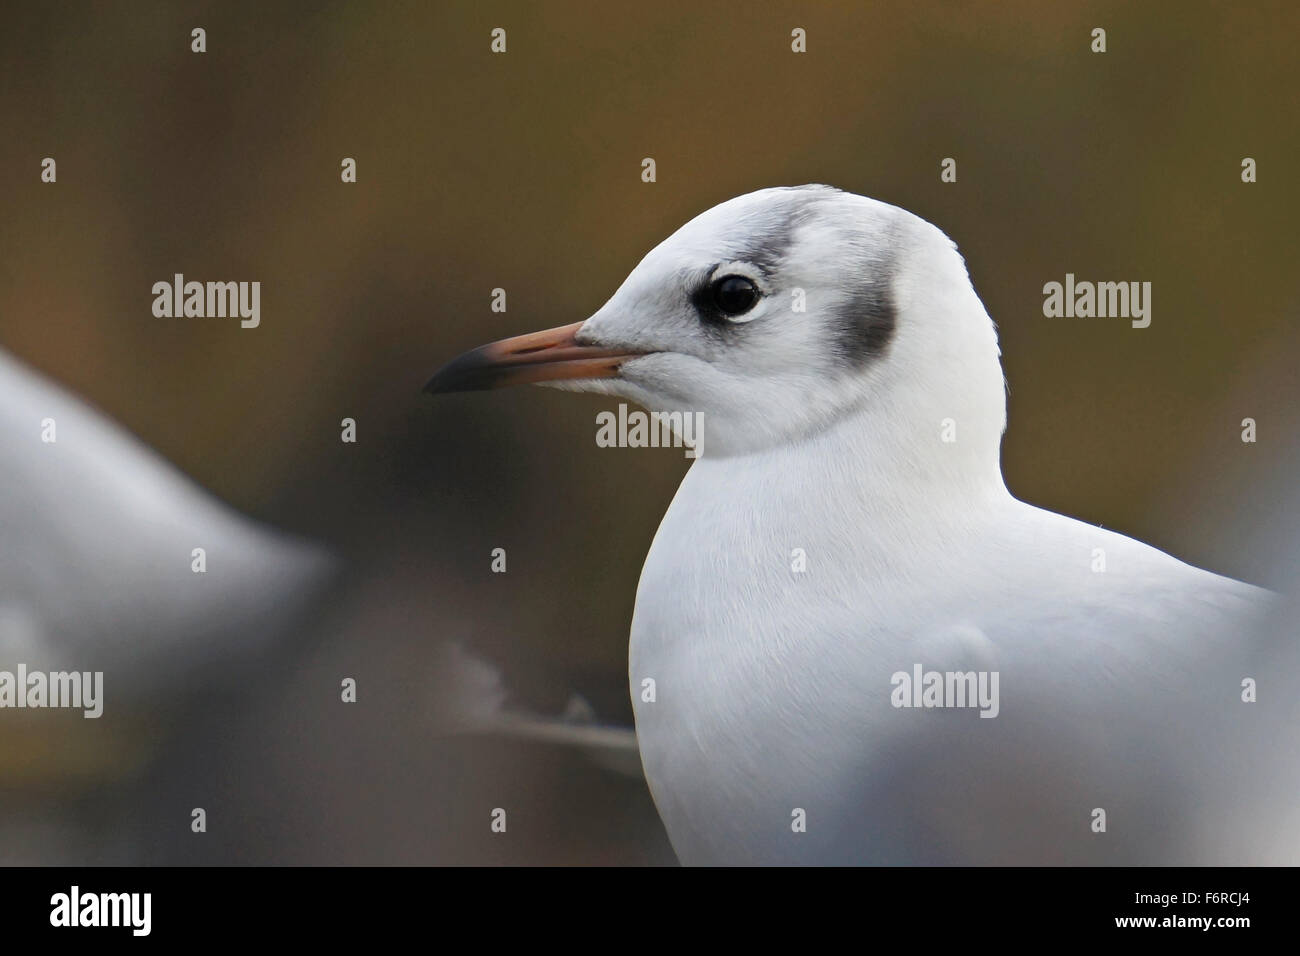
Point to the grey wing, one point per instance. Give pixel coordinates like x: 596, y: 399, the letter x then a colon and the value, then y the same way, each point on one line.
x: 1161, y: 730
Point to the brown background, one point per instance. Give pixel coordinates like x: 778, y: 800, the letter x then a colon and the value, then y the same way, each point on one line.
x: 523, y: 171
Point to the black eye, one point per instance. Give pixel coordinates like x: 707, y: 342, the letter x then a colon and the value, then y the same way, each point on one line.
x: 734, y: 295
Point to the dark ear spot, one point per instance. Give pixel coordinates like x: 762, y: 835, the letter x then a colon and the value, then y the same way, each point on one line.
x: 866, y: 321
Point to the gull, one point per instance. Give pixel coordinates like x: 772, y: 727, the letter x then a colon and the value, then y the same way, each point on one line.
x: 846, y: 526
x: 98, y: 573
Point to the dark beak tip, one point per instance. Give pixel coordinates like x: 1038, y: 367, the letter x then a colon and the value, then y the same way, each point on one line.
x: 455, y: 376
x: 534, y: 358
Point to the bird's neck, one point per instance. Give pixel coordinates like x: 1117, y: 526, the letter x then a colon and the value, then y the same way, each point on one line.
x: 879, y: 469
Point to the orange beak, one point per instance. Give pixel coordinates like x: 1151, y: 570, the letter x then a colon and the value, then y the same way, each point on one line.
x: 545, y: 356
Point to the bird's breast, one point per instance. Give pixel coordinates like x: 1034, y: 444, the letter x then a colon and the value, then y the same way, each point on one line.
x: 747, y: 678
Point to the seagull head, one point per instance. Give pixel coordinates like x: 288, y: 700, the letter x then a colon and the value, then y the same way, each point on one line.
x: 775, y: 315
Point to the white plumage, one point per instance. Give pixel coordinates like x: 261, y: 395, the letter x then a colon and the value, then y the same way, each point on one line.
x: 847, y: 521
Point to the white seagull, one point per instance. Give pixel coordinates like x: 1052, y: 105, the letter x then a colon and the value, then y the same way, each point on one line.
x: 843, y: 589
x: 100, y: 572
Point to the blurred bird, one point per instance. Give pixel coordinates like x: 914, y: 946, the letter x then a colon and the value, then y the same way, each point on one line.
x: 847, y: 525
x: 112, y: 561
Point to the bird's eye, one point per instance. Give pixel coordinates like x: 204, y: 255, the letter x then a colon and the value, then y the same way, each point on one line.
x: 734, y: 295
